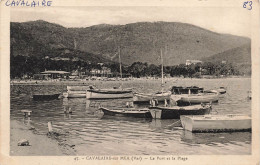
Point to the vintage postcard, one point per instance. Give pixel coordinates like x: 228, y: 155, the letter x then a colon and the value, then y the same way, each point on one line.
x: 129, y: 82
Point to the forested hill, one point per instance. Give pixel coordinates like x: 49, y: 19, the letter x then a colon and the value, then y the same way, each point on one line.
x: 138, y: 42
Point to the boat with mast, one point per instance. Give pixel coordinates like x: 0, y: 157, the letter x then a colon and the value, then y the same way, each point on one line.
x: 111, y: 93
x: 159, y: 96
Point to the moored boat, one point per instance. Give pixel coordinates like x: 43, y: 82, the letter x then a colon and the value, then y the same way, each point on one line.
x: 159, y: 96
x: 216, y: 123
x: 146, y: 97
x: 193, y: 95
x: 75, y: 94
x: 39, y: 97
x: 129, y: 112
x: 78, y: 88
x: 175, y: 112
x: 196, y: 98
x: 222, y: 90
x: 109, y: 93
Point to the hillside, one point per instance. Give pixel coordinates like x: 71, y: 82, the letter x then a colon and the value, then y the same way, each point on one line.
x: 138, y: 41
x: 239, y: 55
x: 42, y: 39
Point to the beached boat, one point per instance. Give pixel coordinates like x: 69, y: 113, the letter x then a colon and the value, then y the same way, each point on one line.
x: 129, y: 112
x: 159, y: 96
x: 114, y: 93
x: 38, y: 97
x: 216, y: 123
x: 146, y: 97
x: 175, y: 112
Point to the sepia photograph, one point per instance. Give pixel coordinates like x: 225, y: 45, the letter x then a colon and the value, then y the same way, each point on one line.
x: 108, y: 82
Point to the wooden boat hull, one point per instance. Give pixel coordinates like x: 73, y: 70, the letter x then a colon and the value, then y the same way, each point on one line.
x: 77, y: 88
x: 39, y: 97
x: 107, y: 94
x: 176, y: 111
x: 145, y: 98
x: 127, y: 112
x: 186, y: 99
x: 221, y: 91
x: 78, y: 94
x: 216, y: 123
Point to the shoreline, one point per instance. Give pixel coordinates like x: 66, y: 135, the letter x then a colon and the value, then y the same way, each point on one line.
x: 87, y: 82
x: 39, y: 145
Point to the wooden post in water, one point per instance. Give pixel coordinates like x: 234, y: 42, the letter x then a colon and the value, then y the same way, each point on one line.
x: 50, y: 126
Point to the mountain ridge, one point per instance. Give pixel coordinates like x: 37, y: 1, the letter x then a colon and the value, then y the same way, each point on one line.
x: 141, y: 41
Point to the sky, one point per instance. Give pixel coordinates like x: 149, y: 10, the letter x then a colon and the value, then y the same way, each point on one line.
x: 229, y: 20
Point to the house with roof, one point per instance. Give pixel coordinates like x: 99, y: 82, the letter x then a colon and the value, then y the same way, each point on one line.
x: 189, y: 62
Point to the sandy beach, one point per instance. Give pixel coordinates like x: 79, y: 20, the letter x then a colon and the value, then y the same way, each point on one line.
x: 40, y: 145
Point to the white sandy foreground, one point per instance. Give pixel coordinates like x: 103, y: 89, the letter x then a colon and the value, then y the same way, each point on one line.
x: 40, y: 145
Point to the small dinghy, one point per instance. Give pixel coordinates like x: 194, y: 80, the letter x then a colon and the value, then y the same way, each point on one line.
x: 78, y: 88
x: 222, y: 90
x: 114, y: 93
x: 38, y: 97
x: 146, y: 97
x: 175, y: 112
x: 129, y: 112
x: 193, y: 95
x: 75, y: 94
x: 216, y: 123
x: 191, y: 99
x: 76, y: 91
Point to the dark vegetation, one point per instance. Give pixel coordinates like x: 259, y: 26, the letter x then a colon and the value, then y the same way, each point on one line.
x: 140, y: 45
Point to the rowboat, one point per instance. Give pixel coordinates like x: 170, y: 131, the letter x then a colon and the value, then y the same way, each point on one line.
x: 199, y: 98
x: 78, y: 88
x: 75, y: 94
x: 38, y: 97
x: 129, y: 112
x: 178, y: 90
x: 146, y: 97
x: 76, y: 91
x: 222, y: 90
x: 113, y: 93
x: 175, y: 112
x: 159, y: 96
x: 193, y: 95
x: 216, y: 123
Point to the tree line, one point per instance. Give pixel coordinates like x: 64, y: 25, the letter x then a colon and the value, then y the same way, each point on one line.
x: 23, y: 65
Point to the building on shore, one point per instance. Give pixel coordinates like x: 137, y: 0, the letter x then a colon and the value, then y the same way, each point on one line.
x: 51, y: 74
x: 190, y: 62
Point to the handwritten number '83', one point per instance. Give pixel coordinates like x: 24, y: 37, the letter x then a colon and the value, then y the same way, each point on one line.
x: 248, y: 5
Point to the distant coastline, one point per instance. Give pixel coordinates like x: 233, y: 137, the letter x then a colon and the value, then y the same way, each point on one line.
x: 87, y: 82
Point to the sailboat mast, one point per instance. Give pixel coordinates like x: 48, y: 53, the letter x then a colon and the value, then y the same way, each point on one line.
x: 162, y: 66
x: 120, y: 66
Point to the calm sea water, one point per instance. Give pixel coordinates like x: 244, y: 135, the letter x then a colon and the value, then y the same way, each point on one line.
x: 94, y: 134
